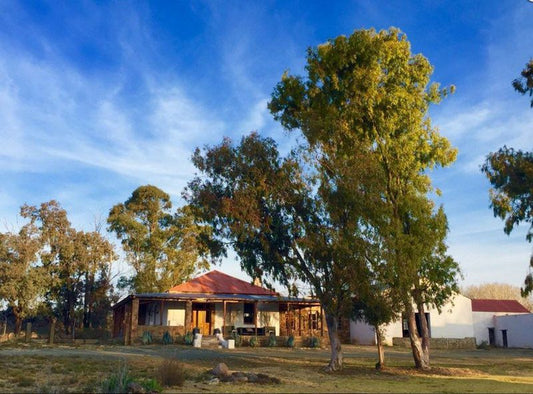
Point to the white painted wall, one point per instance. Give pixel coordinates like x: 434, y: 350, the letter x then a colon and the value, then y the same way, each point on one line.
x: 267, y: 315
x: 454, y: 321
x: 519, y: 330
x: 482, y: 322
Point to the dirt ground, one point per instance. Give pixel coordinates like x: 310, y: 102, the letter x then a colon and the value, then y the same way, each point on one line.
x: 63, y: 368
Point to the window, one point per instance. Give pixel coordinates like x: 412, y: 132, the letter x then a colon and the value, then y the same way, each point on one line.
x: 249, y: 310
x: 313, y: 320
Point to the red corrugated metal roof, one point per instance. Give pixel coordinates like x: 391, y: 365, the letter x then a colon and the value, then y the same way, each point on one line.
x: 485, y: 305
x: 216, y: 282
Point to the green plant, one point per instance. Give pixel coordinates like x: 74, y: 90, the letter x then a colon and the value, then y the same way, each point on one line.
x: 152, y: 386
x: 167, y: 338
x: 314, y: 342
x: 290, y: 341
x: 118, y: 381
x: 172, y: 373
x: 188, y: 338
x: 237, y: 338
x: 272, y: 342
x: 253, y: 341
x: 147, y: 338
x: 483, y: 345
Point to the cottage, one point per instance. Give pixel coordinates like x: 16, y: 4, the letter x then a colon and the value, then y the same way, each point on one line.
x: 217, y: 301
x: 487, y: 313
x: 453, y: 323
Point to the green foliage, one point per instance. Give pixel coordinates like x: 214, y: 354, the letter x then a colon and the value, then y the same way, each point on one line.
x: 172, y: 373
x: 237, y: 338
x: 146, y: 338
x: 290, y: 341
x: 314, y: 342
x: 272, y: 341
x: 167, y: 338
x: 351, y: 200
x: 510, y: 173
x: 161, y: 245
x: 118, y: 381
x: 188, y: 338
x: 152, y: 386
x: 254, y: 342
x: 524, y: 84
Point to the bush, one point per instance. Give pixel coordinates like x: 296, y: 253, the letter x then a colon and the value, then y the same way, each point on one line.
x: 290, y: 341
x: 314, y: 342
x: 147, y: 338
x: 172, y: 373
x: 188, y: 338
x: 484, y: 345
x: 167, y: 338
x: 272, y: 342
x: 152, y: 386
x: 237, y: 338
x: 253, y: 341
x: 118, y: 381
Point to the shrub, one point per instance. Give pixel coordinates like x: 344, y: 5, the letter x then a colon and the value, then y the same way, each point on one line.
x: 314, y: 342
x: 272, y: 342
x: 172, y: 373
x: 118, y: 381
x: 188, y: 338
x: 237, y: 338
x: 152, y: 386
x: 147, y: 338
x: 253, y: 341
x: 290, y: 341
x: 483, y: 345
x: 167, y: 338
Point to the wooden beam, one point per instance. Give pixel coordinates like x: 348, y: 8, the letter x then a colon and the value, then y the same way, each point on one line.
x: 321, y: 321
x: 255, y: 317
x: 223, y: 319
x: 161, y: 313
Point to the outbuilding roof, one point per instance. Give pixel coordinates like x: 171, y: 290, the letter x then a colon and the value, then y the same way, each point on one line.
x: 216, y: 282
x: 487, y: 305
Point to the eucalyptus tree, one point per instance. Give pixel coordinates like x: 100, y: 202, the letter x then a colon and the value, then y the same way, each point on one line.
x: 367, y: 96
x: 160, y: 244
x: 21, y: 275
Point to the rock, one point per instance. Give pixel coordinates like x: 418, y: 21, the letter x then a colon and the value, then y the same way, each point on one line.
x: 134, y: 388
x: 214, y: 381
x: 239, y: 377
x: 252, y: 377
x: 220, y: 370
x: 265, y: 379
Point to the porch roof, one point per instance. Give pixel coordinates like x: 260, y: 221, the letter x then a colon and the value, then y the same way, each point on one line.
x: 209, y: 297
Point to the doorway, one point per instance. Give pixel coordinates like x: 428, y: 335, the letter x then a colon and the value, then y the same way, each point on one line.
x: 202, y: 317
x: 492, y: 340
x: 504, y: 338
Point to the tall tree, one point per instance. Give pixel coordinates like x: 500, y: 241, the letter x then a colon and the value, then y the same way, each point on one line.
x: 161, y: 245
x: 70, y: 257
x: 21, y: 276
x: 367, y: 94
x: 510, y: 173
x: 269, y: 211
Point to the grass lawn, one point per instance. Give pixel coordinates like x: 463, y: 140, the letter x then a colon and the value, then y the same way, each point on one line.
x: 60, y: 368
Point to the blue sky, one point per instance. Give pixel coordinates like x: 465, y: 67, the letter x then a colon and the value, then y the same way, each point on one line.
x: 97, y: 98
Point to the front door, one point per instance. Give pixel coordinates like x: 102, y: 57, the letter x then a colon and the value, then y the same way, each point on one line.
x: 202, y: 318
x: 504, y: 338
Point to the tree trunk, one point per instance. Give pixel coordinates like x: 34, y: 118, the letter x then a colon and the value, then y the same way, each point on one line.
x: 425, y: 334
x: 52, y: 331
x: 381, y: 350
x: 335, y: 363
x: 18, y: 323
x: 416, y: 344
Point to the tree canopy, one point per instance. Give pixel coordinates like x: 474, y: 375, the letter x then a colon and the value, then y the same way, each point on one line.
x: 160, y: 244
x: 348, y: 210
x: 524, y: 83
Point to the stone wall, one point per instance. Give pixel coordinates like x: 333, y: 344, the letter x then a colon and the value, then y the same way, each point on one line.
x: 440, y: 343
x: 158, y: 331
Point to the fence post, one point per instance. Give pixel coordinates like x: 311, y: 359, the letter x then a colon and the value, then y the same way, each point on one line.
x: 28, y: 331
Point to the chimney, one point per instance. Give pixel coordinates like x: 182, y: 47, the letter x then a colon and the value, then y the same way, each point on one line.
x: 257, y: 281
